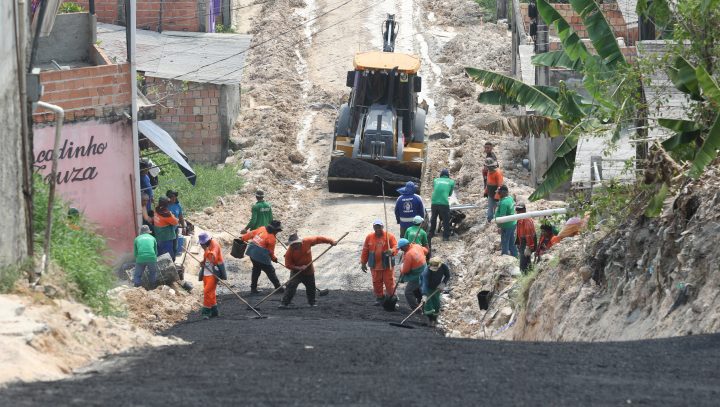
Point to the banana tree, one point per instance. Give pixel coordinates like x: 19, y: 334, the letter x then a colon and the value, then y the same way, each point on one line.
x: 560, y: 111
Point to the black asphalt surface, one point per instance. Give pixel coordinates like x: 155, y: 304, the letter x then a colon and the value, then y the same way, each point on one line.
x: 344, y: 352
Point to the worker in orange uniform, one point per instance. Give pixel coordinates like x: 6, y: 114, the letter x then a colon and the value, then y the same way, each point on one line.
x: 414, y: 263
x: 494, y: 181
x: 525, y: 238
x: 378, y: 251
x: 211, y: 268
x: 298, y: 258
x: 261, y: 251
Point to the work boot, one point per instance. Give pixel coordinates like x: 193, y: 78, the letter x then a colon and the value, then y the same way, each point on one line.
x: 205, y: 312
x: 313, y: 305
x: 254, y: 290
x: 214, y: 311
x: 286, y: 306
x: 280, y: 291
x: 379, y: 301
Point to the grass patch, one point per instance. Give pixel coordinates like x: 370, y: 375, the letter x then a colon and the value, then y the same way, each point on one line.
x: 76, y: 249
x: 211, y: 183
x: 490, y: 8
x: 522, y: 291
x: 10, y: 274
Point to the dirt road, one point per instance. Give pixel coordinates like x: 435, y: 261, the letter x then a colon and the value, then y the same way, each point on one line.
x: 345, y: 353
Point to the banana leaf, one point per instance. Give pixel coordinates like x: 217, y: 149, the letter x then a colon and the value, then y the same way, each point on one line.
x: 570, y: 110
x: 494, y: 97
x: 709, y: 88
x: 557, y: 59
x: 524, y: 94
x: 572, y: 44
x: 560, y: 172
x: 600, y: 32
x: 526, y: 126
x: 685, y: 78
x: 655, y: 205
x: 708, y: 151
x: 680, y: 126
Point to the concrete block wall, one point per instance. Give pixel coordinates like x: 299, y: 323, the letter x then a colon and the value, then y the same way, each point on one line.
x: 191, y: 116
x: 90, y: 92
x: 177, y: 15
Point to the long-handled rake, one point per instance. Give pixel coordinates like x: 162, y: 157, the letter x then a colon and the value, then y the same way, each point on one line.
x: 259, y: 315
x: 297, y: 274
x: 422, y: 303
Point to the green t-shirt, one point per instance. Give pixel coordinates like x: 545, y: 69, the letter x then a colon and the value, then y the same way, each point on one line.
x: 422, y: 239
x: 442, y: 189
x: 506, y: 207
x: 145, y: 248
x: 261, y: 215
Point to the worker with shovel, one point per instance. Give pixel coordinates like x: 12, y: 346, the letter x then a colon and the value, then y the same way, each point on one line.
x: 261, y: 250
x: 211, y: 268
x: 298, y: 258
x: 377, y: 252
x: 435, y: 277
x: 413, y: 265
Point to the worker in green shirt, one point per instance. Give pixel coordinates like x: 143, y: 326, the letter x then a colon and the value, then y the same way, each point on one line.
x: 261, y: 213
x: 506, y: 207
x: 440, y: 203
x: 145, y: 251
x: 416, y: 234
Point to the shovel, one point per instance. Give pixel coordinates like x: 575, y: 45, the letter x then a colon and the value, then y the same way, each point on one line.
x: 402, y: 323
x: 297, y: 274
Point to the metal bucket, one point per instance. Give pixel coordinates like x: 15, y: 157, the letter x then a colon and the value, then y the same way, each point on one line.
x: 238, y: 248
x: 484, y: 298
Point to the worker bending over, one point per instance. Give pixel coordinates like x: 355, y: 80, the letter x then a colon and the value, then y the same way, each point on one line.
x: 211, y: 268
x: 413, y: 265
x: 377, y: 252
x: 435, y: 277
x: 298, y: 259
x: 261, y: 250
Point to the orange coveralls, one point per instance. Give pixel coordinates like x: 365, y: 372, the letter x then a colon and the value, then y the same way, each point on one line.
x: 212, y: 256
x: 372, y: 253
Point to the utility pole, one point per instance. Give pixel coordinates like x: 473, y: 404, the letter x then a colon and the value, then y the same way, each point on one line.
x: 130, y: 27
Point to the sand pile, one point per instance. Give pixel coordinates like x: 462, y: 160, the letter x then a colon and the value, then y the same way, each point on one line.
x: 158, y: 309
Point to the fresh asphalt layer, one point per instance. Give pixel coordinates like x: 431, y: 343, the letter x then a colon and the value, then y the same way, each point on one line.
x: 344, y: 352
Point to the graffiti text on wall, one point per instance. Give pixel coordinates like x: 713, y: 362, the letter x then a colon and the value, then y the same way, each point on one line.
x: 69, y: 151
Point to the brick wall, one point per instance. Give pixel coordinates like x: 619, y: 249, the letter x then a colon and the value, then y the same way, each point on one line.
x: 177, y: 15
x: 192, y: 117
x: 610, y: 10
x: 95, y: 91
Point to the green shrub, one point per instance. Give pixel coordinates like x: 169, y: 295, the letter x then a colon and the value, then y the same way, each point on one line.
x: 211, y: 183
x: 75, y: 248
x: 11, y: 274
x: 70, y: 7
x: 224, y: 29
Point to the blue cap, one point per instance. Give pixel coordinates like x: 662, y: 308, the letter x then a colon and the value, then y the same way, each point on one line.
x: 403, y: 242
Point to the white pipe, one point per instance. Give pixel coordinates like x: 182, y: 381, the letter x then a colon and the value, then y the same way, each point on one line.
x: 596, y: 172
x: 534, y: 214
x: 134, y: 108
x: 59, y: 119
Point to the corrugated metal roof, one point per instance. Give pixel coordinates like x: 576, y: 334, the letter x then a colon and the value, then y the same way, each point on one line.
x: 181, y: 55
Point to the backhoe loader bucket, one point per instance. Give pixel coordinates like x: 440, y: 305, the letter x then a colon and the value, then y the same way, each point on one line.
x: 355, y: 176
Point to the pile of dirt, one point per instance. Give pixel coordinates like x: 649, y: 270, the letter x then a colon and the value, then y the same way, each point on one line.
x: 46, y: 339
x: 158, y: 309
x: 648, y: 278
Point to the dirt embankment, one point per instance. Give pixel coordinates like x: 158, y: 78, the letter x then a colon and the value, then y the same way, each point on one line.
x: 46, y: 339
x: 650, y: 278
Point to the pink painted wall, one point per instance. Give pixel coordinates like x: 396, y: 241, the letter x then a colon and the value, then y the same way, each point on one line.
x: 94, y: 169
